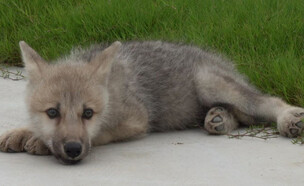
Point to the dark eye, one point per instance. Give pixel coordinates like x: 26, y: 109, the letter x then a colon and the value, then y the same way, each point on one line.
x: 87, y: 113
x: 52, y: 113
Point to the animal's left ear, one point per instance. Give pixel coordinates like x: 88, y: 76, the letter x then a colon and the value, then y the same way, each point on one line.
x: 102, y: 62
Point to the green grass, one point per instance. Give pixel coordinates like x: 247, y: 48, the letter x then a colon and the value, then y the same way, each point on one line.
x: 265, y: 38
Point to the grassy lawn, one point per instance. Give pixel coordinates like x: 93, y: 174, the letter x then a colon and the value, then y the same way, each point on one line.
x: 265, y: 38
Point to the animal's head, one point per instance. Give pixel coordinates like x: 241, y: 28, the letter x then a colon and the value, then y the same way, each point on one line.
x: 67, y: 100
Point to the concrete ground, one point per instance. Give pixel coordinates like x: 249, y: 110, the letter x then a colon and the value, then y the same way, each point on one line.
x: 174, y: 158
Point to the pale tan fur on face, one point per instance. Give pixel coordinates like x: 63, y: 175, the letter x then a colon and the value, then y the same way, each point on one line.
x: 70, y: 88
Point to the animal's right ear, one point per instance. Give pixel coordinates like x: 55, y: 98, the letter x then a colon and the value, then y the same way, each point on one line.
x: 34, y: 64
x: 103, y: 60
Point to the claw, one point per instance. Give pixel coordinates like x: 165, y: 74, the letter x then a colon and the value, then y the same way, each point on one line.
x: 299, y: 114
x: 10, y: 150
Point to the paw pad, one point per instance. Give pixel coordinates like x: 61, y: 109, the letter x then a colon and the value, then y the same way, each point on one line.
x: 217, y: 119
x: 300, y: 124
x: 220, y: 128
x: 294, y: 131
x: 290, y: 122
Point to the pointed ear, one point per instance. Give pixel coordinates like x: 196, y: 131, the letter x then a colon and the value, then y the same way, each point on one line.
x: 34, y: 64
x: 103, y: 60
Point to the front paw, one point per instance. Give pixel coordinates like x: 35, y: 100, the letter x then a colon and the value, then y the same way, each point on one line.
x: 36, y: 146
x: 290, y: 123
x: 22, y: 140
x: 15, y: 140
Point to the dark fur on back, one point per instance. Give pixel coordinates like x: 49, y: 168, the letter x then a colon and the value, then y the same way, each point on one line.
x: 161, y: 76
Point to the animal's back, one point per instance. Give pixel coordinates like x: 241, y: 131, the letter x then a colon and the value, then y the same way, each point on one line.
x: 163, y: 74
x: 162, y: 77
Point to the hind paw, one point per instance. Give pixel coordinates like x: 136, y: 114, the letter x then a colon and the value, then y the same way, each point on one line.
x: 290, y: 123
x: 219, y: 121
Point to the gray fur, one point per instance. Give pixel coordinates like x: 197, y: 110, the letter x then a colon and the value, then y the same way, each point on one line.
x: 162, y: 77
x: 134, y: 88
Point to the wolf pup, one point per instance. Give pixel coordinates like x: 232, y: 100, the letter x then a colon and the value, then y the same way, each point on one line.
x: 112, y: 93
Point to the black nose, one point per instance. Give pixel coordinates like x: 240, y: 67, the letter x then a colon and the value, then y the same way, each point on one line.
x: 72, y: 149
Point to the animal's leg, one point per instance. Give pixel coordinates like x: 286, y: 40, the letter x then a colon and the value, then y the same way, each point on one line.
x: 134, y: 126
x: 216, y: 88
x: 22, y: 140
